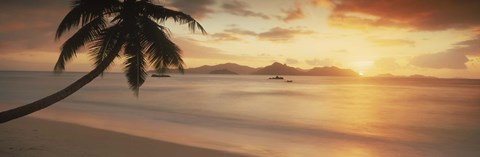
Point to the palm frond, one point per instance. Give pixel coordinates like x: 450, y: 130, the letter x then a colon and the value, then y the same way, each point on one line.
x: 135, y: 65
x: 161, y: 13
x: 161, y: 51
x: 72, y: 19
x: 84, y: 11
x: 109, y: 41
x: 84, y: 35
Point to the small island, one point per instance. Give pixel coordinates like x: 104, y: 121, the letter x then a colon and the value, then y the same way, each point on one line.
x: 276, y: 78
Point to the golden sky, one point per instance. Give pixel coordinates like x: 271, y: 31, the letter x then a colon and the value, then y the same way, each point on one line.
x: 402, y: 37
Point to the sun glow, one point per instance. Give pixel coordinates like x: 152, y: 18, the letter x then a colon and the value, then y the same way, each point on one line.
x: 361, y: 66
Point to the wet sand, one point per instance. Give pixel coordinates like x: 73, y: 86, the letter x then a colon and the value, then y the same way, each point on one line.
x: 33, y: 137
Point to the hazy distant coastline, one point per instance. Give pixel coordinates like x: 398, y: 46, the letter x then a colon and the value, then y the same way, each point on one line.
x: 273, y: 69
x: 277, y: 69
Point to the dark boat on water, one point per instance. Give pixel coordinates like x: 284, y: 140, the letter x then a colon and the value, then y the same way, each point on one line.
x: 276, y: 77
x: 160, y: 75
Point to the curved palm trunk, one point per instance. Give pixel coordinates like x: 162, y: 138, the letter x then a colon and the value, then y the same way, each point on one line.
x: 24, y: 110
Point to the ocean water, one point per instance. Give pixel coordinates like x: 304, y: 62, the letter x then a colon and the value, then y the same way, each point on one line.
x: 313, y: 116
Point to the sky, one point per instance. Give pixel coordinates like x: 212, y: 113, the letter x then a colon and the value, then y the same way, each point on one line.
x: 402, y: 37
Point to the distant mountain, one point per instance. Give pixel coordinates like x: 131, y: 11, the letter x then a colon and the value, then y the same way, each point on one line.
x: 400, y: 76
x: 387, y: 75
x: 274, y: 69
x: 283, y: 69
x: 331, y: 71
x: 235, y: 68
x: 223, y: 71
x: 278, y: 69
x: 421, y: 76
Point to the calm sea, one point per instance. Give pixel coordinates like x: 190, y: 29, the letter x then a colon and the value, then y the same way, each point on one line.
x: 312, y: 116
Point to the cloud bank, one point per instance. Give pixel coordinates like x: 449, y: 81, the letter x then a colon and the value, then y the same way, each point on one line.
x: 454, y: 58
x: 414, y: 14
x: 240, y: 8
x: 278, y: 34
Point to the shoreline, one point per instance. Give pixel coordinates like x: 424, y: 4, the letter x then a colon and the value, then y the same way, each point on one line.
x: 29, y: 136
x: 371, y: 77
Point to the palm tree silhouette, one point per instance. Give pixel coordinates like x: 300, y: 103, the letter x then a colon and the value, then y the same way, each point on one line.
x: 111, y: 28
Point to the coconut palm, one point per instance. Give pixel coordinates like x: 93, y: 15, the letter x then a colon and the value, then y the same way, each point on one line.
x: 111, y: 29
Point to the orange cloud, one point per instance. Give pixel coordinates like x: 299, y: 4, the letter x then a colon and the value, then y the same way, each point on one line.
x: 357, y: 21
x: 240, y: 31
x: 224, y: 37
x: 294, y: 13
x: 415, y: 14
x: 232, y: 34
x: 278, y: 34
x: 391, y: 42
x: 322, y: 3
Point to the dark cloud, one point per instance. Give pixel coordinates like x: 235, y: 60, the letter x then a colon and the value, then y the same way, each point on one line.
x: 416, y: 14
x: 241, y: 9
x: 276, y: 34
x: 196, y: 8
x: 454, y: 58
x: 33, y: 4
x: 30, y: 24
x: 279, y: 34
x: 21, y: 15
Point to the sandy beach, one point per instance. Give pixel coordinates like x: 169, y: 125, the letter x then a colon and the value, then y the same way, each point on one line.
x: 33, y: 137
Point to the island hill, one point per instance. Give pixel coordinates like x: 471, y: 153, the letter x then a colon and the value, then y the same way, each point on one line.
x: 274, y: 69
